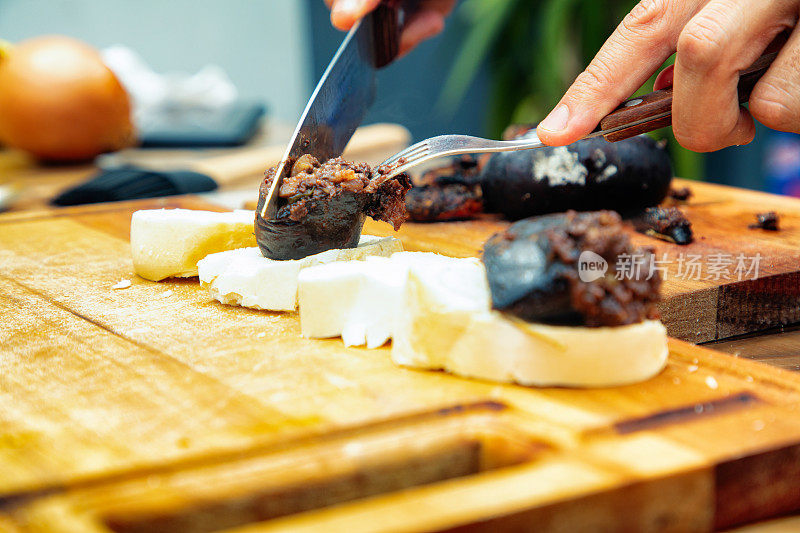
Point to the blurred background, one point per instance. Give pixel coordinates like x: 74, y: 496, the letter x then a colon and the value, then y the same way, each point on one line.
x: 498, y: 62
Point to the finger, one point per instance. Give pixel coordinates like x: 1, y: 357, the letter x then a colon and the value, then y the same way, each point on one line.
x: 725, y: 37
x: 665, y: 78
x: 345, y: 13
x: 421, y: 26
x: 639, y: 45
x: 775, y: 100
x: 442, y: 6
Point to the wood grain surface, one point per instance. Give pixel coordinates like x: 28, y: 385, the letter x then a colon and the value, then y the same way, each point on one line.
x: 154, y: 408
x: 696, y: 307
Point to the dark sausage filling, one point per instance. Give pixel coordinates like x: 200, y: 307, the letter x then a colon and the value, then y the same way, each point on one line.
x: 767, y: 221
x: 454, y: 201
x: 681, y: 194
x: 323, y: 206
x: 310, y: 182
x: 666, y: 223
x: 534, y: 272
x: 448, y: 192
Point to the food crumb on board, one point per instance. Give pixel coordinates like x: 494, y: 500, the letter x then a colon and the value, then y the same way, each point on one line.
x: 693, y: 368
x: 167, y: 293
x: 680, y: 194
x: 712, y: 383
x: 748, y: 379
x: 767, y: 221
x: 121, y: 284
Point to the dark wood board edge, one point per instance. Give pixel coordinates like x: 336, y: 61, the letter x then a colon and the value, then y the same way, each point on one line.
x: 759, y: 304
x: 680, y: 502
x: 756, y: 487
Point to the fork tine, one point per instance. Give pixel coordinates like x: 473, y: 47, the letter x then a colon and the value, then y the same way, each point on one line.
x: 447, y: 145
x: 412, y: 148
x: 411, y: 162
x: 412, y: 158
x: 410, y: 155
x: 408, y: 152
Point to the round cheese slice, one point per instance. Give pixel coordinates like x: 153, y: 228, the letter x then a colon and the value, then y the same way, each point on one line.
x: 440, y: 329
x: 502, y: 349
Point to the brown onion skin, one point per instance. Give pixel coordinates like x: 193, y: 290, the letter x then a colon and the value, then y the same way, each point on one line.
x: 331, y: 223
x: 60, y: 102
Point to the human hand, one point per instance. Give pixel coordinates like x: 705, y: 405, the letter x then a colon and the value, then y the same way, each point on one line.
x: 426, y: 22
x: 714, y: 40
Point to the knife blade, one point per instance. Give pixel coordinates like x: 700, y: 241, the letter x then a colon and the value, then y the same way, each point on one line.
x: 343, y: 95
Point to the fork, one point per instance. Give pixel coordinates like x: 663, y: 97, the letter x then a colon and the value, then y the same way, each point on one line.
x: 635, y: 116
x: 445, y: 145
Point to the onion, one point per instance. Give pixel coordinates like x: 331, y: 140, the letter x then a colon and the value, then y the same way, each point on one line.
x: 60, y: 102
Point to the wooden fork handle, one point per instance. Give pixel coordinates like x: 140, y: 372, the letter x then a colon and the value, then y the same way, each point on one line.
x: 657, y: 105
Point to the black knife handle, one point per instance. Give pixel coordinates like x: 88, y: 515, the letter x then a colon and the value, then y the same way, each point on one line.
x: 387, y: 24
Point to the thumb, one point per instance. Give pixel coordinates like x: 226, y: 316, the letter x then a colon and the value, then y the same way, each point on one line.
x: 638, y: 46
x: 345, y: 13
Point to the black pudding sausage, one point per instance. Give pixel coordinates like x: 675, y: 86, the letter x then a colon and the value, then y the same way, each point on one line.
x: 588, y: 175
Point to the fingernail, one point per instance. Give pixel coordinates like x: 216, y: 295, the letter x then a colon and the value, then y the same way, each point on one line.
x: 345, y: 6
x: 557, y: 119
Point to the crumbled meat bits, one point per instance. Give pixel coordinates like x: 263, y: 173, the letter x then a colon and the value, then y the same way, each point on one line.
x: 768, y: 221
x: 572, y: 268
x: 323, y: 206
x: 680, y: 194
x: 665, y: 223
x: 447, y: 192
x: 454, y: 201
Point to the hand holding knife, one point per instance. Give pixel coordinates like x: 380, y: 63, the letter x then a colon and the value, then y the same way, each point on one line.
x: 344, y: 93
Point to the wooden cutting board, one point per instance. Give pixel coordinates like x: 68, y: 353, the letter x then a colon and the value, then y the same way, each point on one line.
x: 154, y: 408
x: 705, y: 297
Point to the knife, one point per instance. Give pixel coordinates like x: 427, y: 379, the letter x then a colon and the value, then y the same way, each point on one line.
x: 343, y: 95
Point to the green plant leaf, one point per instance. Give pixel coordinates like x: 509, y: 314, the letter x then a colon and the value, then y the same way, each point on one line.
x: 488, y: 18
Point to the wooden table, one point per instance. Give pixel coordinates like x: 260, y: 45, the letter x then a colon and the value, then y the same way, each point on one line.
x: 156, y: 361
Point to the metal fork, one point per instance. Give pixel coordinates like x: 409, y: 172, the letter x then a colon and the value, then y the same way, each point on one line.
x: 444, y: 145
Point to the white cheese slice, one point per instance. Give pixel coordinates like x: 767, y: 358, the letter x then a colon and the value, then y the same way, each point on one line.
x: 437, y: 306
x: 245, y: 277
x: 169, y: 242
x: 445, y: 323
x: 358, y: 300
